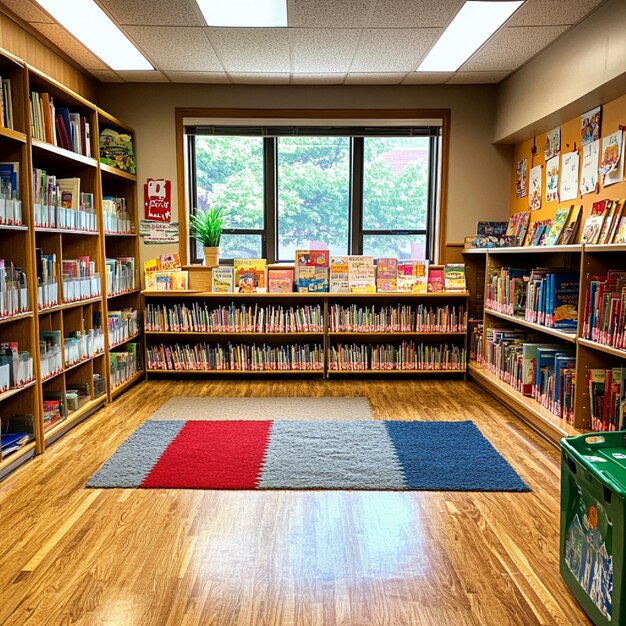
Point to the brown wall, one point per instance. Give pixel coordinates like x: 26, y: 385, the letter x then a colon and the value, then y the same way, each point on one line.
x: 149, y: 109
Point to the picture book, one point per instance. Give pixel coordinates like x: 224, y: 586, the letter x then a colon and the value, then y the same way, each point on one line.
x: 569, y: 232
x: 559, y: 223
x: 169, y: 261
x: 150, y: 265
x: 454, y: 277
x: 387, y: 274
x: 70, y: 192
x: 312, y: 279
x: 436, y: 279
x: 406, y: 276
x: 280, y: 280
x: 420, y: 269
x: 534, y: 185
x: 617, y: 216
x: 116, y: 150
x: 491, y: 228
x: 222, y: 279
x: 609, y: 216
x: 361, y: 274
x: 517, y: 227
x: 339, y: 275
x: 562, y: 308
x: 592, y: 228
x: 620, y: 235
x: 249, y: 275
x: 312, y: 258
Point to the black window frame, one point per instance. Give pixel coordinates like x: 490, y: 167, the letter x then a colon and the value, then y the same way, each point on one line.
x: 356, y: 232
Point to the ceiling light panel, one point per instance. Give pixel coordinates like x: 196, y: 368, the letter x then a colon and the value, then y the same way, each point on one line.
x: 468, y: 31
x: 244, y: 13
x: 94, y: 28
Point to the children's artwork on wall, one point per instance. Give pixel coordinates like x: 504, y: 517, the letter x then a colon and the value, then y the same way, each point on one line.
x: 520, y: 178
x: 552, y: 146
x: 552, y: 179
x: 590, y: 126
x: 612, y: 159
x: 534, y: 188
x: 568, y: 189
x: 589, y: 174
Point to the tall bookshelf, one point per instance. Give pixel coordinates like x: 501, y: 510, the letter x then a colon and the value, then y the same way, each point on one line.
x: 325, y: 337
x: 584, y: 260
x: 79, y: 306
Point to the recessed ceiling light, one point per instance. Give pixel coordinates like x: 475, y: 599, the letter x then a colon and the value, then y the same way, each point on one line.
x: 470, y: 28
x: 245, y: 13
x: 94, y: 28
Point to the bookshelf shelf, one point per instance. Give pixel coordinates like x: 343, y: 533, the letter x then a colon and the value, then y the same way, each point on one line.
x: 73, y: 366
x: 73, y: 419
x: 122, y: 293
x: 555, y: 332
x: 116, y: 391
x: 396, y: 334
x: 66, y: 231
x: 232, y: 334
x: 16, y: 318
x: 11, y: 227
x: 13, y: 392
x: 317, y: 372
x: 608, y: 247
x: 71, y: 305
x: 17, y: 458
x: 535, y: 249
x: 50, y: 309
x: 127, y: 340
x: 62, y: 152
x: 120, y: 234
x: 594, y: 345
x: 108, y: 170
x: 416, y: 372
x: 14, y: 135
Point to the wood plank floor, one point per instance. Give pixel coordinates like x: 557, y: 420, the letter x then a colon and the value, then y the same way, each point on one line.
x: 69, y: 555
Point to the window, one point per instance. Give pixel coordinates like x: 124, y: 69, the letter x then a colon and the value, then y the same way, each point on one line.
x: 354, y: 191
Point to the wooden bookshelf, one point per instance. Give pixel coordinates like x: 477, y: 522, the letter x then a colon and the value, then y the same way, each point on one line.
x: 520, y: 321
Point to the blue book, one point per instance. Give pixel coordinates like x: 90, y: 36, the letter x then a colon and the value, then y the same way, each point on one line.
x: 562, y: 360
x: 13, y: 441
x: 565, y: 289
x: 9, y: 180
x: 545, y: 363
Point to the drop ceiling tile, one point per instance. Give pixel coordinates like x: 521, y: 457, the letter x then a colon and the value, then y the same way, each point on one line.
x: 142, y: 76
x: 252, y: 50
x: 106, y: 76
x: 323, y: 50
x: 317, y: 79
x: 511, y: 47
x: 392, y: 50
x: 413, y: 13
x: 72, y: 47
x: 28, y: 11
x: 328, y: 13
x: 161, y: 13
x: 467, y: 78
x: 427, y: 78
x: 390, y: 78
x: 198, y: 77
x: 176, y: 48
x: 260, y: 78
x: 551, y: 12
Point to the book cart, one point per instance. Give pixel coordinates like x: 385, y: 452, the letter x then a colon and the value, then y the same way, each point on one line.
x: 323, y: 349
x: 60, y: 321
x: 583, y: 260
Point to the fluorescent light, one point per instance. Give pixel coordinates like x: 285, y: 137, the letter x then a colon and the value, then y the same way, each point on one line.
x: 470, y: 28
x: 94, y: 28
x: 244, y: 13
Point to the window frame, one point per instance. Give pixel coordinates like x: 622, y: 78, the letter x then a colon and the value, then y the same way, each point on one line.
x: 243, y: 118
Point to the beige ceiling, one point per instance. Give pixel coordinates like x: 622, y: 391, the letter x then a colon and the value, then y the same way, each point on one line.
x: 327, y: 41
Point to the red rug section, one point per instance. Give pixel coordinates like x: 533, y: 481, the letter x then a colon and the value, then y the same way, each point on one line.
x: 213, y: 455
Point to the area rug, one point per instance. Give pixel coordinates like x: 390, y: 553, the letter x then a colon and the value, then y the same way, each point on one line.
x: 308, y: 454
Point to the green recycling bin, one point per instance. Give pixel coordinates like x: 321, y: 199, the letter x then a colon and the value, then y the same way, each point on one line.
x: 593, y: 493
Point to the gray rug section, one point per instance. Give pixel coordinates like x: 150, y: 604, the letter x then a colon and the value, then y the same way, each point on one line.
x: 199, y: 408
x: 334, y: 455
x: 137, y: 455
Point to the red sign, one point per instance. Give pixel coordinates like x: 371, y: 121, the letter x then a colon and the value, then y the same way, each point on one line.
x: 157, y: 199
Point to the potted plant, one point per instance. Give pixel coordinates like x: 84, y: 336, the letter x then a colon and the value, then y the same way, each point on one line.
x: 206, y: 228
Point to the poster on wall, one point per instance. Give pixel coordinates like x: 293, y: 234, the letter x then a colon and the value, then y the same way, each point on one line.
x: 590, y: 126
x: 552, y: 179
x: 158, y: 232
x: 552, y: 146
x: 534, y: 188
x: 589, y: 173
x: 568, y: 189
x: 157, y: 199
x: 520, y: 178
x: 612, y: 159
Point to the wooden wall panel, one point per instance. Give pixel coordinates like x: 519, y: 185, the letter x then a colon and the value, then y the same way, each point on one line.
x: 613, y: 116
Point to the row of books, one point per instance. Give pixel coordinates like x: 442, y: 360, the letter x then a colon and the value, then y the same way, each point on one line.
x: 475, y: 341
x: 200, y: 317
x: 79, y: 279
x: 604, y: 317
x: 122, y: 325
x: 16, y: 366
x: 124, y: 364
x: 399, y: 318
x: 117, y: 219
x: 13, y: 290
x: 58, y: 125
x: 83, y: 345
x: 406, y: 356
x: 11, y: 212
x: 547, y: 296
x: 6, y: 104
x: 10, y: 204
x: 607, y: 398
x: 167, y: 280
x: 606, y: 223
x: 235, y: 357
x: 120, y: 275
x: 543, y: 371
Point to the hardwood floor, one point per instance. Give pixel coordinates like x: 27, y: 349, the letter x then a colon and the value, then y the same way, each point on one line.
x: 70, y: 555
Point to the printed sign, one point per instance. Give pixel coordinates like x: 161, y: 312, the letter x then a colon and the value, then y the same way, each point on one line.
x: 157, y: 201
x: 158, y: 232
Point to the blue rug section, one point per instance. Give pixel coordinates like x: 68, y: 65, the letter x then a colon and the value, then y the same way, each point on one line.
x: 450, y: 456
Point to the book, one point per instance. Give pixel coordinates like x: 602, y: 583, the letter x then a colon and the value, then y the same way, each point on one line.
x: 619, y: 208
x: 150, y: 265
x: 620, y: 235
x: 592, y: 228
x: 249, y: 275
x: 338, y: 277
x: 387, y: 274
x: 420, y: 269
x: 222, y: 279
x: 70, y: 192
x: 169, y: 261
x: 280, y: 280
x: 311, y: 270
x: 361, y: 274
x: 406, y: 276
x: 435, y: 279
x: 116, y: 150
x: 569, y: 232
x: 558, y: 225
x: 454, y: 277
x: 517, y: 227
x: 609, y: 217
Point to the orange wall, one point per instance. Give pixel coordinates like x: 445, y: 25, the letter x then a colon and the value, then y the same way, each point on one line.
x: 613, y: 115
